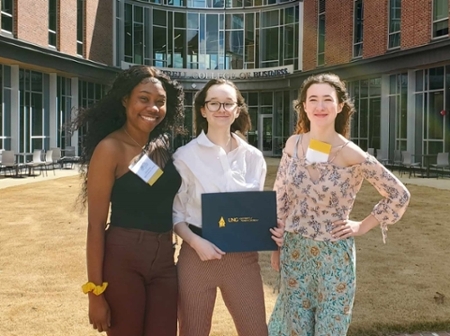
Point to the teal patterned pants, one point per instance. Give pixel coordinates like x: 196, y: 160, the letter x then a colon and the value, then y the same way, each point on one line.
x: 317, y: 287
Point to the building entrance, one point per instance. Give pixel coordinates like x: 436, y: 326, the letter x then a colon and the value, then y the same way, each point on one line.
x: 265, y: 138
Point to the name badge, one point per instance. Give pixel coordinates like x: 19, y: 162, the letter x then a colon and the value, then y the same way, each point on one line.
x: 318, y: 151
x: 146, y: 169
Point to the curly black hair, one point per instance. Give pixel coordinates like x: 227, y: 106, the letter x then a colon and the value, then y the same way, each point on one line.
x: 108, y: 114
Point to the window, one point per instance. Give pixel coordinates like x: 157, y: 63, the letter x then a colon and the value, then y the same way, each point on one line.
x: 394, y: 23
x: 366, y: 123
x: 358, y: 28
x: 321, y: 34
x: 52, y: 22
x: 209, y: 40
x: 33, y: 116
x: 80, y: 26
x: 64, y: 111
x: 440, y: 18
x: 398, y: 117
x: 7, y: 15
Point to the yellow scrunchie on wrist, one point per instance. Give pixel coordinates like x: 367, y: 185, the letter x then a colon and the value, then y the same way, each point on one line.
x: 92, y: 287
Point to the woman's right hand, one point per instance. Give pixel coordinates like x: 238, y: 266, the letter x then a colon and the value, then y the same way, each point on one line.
x: 99, y: 313
x: 206, y: 250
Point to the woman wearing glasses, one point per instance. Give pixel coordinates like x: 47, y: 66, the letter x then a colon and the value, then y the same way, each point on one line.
x: 217, y: 161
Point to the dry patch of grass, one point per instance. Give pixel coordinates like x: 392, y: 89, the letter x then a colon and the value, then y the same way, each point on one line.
x: 42, y: 265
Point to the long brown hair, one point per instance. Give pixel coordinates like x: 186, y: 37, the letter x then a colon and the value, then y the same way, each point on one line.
x: 342, y: 122
x: 242, y: 122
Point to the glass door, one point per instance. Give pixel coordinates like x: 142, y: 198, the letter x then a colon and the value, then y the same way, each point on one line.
x: 265, y: 131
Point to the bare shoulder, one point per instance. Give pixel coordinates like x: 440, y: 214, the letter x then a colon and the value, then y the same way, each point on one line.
x: 108, y: 151
x: 353, y: 154
x: 290, y: 144
x: 110, y: 145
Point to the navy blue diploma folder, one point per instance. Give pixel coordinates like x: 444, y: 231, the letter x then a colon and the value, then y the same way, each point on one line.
x: 240, y: 221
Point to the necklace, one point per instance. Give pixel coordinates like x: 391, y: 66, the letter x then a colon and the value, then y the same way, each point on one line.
x: 133, y: 139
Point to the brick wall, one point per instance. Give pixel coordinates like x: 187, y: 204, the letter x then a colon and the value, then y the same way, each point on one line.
x: 99, y: 31
x: 68, y: 27
x: 310, y: 35
x: 338, y: 32
x: 32, y: 22
x: 416, y: 29
x: 32, y: 26
x: 416, y: 23
x: 375, y: 28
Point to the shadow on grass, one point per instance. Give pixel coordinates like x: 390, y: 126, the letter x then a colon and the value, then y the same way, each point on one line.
x: 381, y: 329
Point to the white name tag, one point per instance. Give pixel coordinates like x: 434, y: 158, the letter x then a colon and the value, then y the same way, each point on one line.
x: 146, y: 169
x: 318, y: 151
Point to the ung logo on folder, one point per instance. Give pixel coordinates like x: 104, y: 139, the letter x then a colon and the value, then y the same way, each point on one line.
x: 318, y: 151
x: 240, y: 221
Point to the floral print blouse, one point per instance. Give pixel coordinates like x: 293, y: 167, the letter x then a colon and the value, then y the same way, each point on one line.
x: 310, y: 207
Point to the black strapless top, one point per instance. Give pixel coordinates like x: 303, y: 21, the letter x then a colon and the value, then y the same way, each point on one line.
x: 137, y: 205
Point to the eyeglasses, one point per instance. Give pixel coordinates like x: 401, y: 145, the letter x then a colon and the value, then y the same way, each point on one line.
x: 214, y: 106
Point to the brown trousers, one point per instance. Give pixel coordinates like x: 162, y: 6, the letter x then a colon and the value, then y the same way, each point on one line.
x: 142, y: 282
x: 239, y: 278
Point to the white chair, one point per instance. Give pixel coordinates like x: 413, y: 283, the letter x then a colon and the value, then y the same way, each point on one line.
x: 49, y: 161
x: 37, y: 161
x: 381, y: 157
x: 56, y: 157
x: 8, y: 163
x: 408, y: 164
x: 371, y: 151
x: 442, y: 162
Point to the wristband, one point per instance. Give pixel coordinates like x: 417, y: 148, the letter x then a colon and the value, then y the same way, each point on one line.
x: 91, y: 287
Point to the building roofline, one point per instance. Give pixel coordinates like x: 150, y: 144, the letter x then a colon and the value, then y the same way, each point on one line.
x: 18, y: 51
x: 393, y: 61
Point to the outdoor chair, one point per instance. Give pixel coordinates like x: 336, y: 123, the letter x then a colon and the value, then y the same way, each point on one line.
x: 49, y: 161
x: 69, y: 157
x: 371, y: 151
x: 441, y: 163
x: 8, y: 163
x: 408, y: 164
x: 398, y: 161
x: 56, y: 157
x: 381, y: 157
x: 37, y: 162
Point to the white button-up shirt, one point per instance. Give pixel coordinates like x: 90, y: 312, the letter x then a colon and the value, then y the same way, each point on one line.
x: 206, y: 168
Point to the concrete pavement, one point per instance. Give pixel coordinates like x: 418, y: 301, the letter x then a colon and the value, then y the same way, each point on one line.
x: 5, y: 182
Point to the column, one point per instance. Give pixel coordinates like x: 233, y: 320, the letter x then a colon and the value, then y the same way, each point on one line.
x: 15, y: 109
x: 385, y: 115
x: 75, y: 107
x: 53, y: 110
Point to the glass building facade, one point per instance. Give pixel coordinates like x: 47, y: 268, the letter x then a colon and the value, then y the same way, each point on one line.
x: 208, y: 34
x: 197, y: 40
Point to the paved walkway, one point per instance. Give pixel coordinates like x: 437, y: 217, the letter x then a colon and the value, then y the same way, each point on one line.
x: 441, y: 183
x: 6, y: 182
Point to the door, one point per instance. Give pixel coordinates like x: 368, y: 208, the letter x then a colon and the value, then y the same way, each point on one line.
x: 265, y: 132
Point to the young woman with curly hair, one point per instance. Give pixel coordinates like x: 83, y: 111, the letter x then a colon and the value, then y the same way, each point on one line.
x: 314, y: 200
x: 132, y: 280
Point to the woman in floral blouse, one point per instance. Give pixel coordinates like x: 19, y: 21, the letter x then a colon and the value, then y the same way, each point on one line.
x: 315, y: 199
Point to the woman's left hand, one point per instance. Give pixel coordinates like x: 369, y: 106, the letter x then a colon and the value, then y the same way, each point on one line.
x: 347, y: 228
x: 278, y: 232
